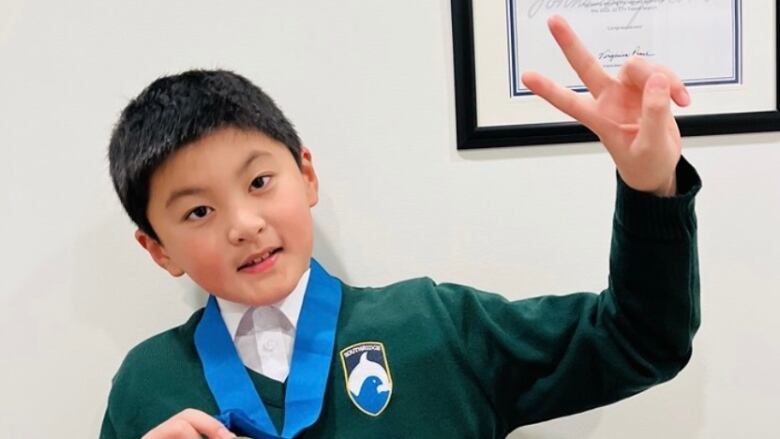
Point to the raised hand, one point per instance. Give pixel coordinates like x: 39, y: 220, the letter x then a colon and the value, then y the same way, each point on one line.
x: 190, y: 424
x: 629, y: 113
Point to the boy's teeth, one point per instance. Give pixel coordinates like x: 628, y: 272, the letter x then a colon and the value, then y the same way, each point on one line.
x: 262, y: 257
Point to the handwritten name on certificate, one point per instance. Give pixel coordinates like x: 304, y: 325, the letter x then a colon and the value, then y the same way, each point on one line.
x: 699, y: 39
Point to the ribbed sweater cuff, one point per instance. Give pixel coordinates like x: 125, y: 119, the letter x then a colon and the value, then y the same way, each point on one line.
x: 651, y: 216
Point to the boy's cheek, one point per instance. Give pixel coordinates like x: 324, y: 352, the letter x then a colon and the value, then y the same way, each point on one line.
x: 207, y: 268
x: 296, y: 220
x: 208, y: 278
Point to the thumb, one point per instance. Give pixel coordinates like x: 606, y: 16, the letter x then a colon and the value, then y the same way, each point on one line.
x: 656, y: 111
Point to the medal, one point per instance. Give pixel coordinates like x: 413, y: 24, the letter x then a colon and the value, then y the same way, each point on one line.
x: 241, y: 409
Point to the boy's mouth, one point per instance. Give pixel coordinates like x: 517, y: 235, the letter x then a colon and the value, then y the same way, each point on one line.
x: 258, y: 258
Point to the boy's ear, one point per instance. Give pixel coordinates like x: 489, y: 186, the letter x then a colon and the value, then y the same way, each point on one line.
x: 309, y: 177
x: 158, y: 253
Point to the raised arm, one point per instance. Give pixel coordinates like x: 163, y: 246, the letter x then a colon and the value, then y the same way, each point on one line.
x: 553, y: 356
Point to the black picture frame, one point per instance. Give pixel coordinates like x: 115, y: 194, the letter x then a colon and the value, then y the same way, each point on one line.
x: 472, y: 136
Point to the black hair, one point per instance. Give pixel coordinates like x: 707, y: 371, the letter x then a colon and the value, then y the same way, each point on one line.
x: 176, y: 110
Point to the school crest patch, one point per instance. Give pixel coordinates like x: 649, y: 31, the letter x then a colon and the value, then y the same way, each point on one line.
x: 367, y: 376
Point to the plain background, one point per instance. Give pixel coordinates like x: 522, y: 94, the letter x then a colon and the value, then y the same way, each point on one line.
x: 369, y: 86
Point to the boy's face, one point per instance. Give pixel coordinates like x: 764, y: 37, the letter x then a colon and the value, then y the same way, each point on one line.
x: 232, y: 211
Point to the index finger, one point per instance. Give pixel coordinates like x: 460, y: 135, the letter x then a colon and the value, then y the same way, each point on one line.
x: 579, y: 107
x: 582, y: 61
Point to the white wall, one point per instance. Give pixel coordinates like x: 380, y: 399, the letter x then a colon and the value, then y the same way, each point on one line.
x: 369, y: 85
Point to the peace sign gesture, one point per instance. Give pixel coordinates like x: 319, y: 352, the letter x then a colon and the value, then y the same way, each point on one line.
x: 629, y: 113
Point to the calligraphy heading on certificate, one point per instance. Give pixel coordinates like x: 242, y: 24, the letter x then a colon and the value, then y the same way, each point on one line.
x: 699, y: 39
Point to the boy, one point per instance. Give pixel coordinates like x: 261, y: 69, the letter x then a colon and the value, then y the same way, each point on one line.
x: 220, y: 187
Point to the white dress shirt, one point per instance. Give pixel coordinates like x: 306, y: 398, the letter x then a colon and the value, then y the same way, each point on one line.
x: 265, y: 335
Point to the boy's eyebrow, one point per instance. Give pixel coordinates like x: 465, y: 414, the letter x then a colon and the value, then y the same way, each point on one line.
x: 251, y: 158
x: 183, y: 192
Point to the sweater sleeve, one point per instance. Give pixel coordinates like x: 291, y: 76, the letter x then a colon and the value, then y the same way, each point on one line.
x: 107, y: 430
x: 552, y: 356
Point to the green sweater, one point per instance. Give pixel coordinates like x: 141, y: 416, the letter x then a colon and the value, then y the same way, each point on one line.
x: 470, y: 364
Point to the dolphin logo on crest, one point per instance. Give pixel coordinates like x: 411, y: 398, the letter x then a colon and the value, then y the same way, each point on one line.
x: 367, y: 376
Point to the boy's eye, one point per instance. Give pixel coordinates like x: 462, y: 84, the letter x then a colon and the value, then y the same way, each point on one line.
x: 197, y: 213
x: 260, y: 181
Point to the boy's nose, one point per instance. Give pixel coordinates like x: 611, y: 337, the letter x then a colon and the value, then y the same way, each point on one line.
x: 245, y: 227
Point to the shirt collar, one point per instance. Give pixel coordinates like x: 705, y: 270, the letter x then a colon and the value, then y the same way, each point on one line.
x: 290, y: 306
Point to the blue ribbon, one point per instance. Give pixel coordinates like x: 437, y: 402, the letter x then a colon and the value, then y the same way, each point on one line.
x: 241, y: 409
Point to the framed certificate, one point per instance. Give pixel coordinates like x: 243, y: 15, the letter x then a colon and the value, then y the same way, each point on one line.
x: 725, y: 51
